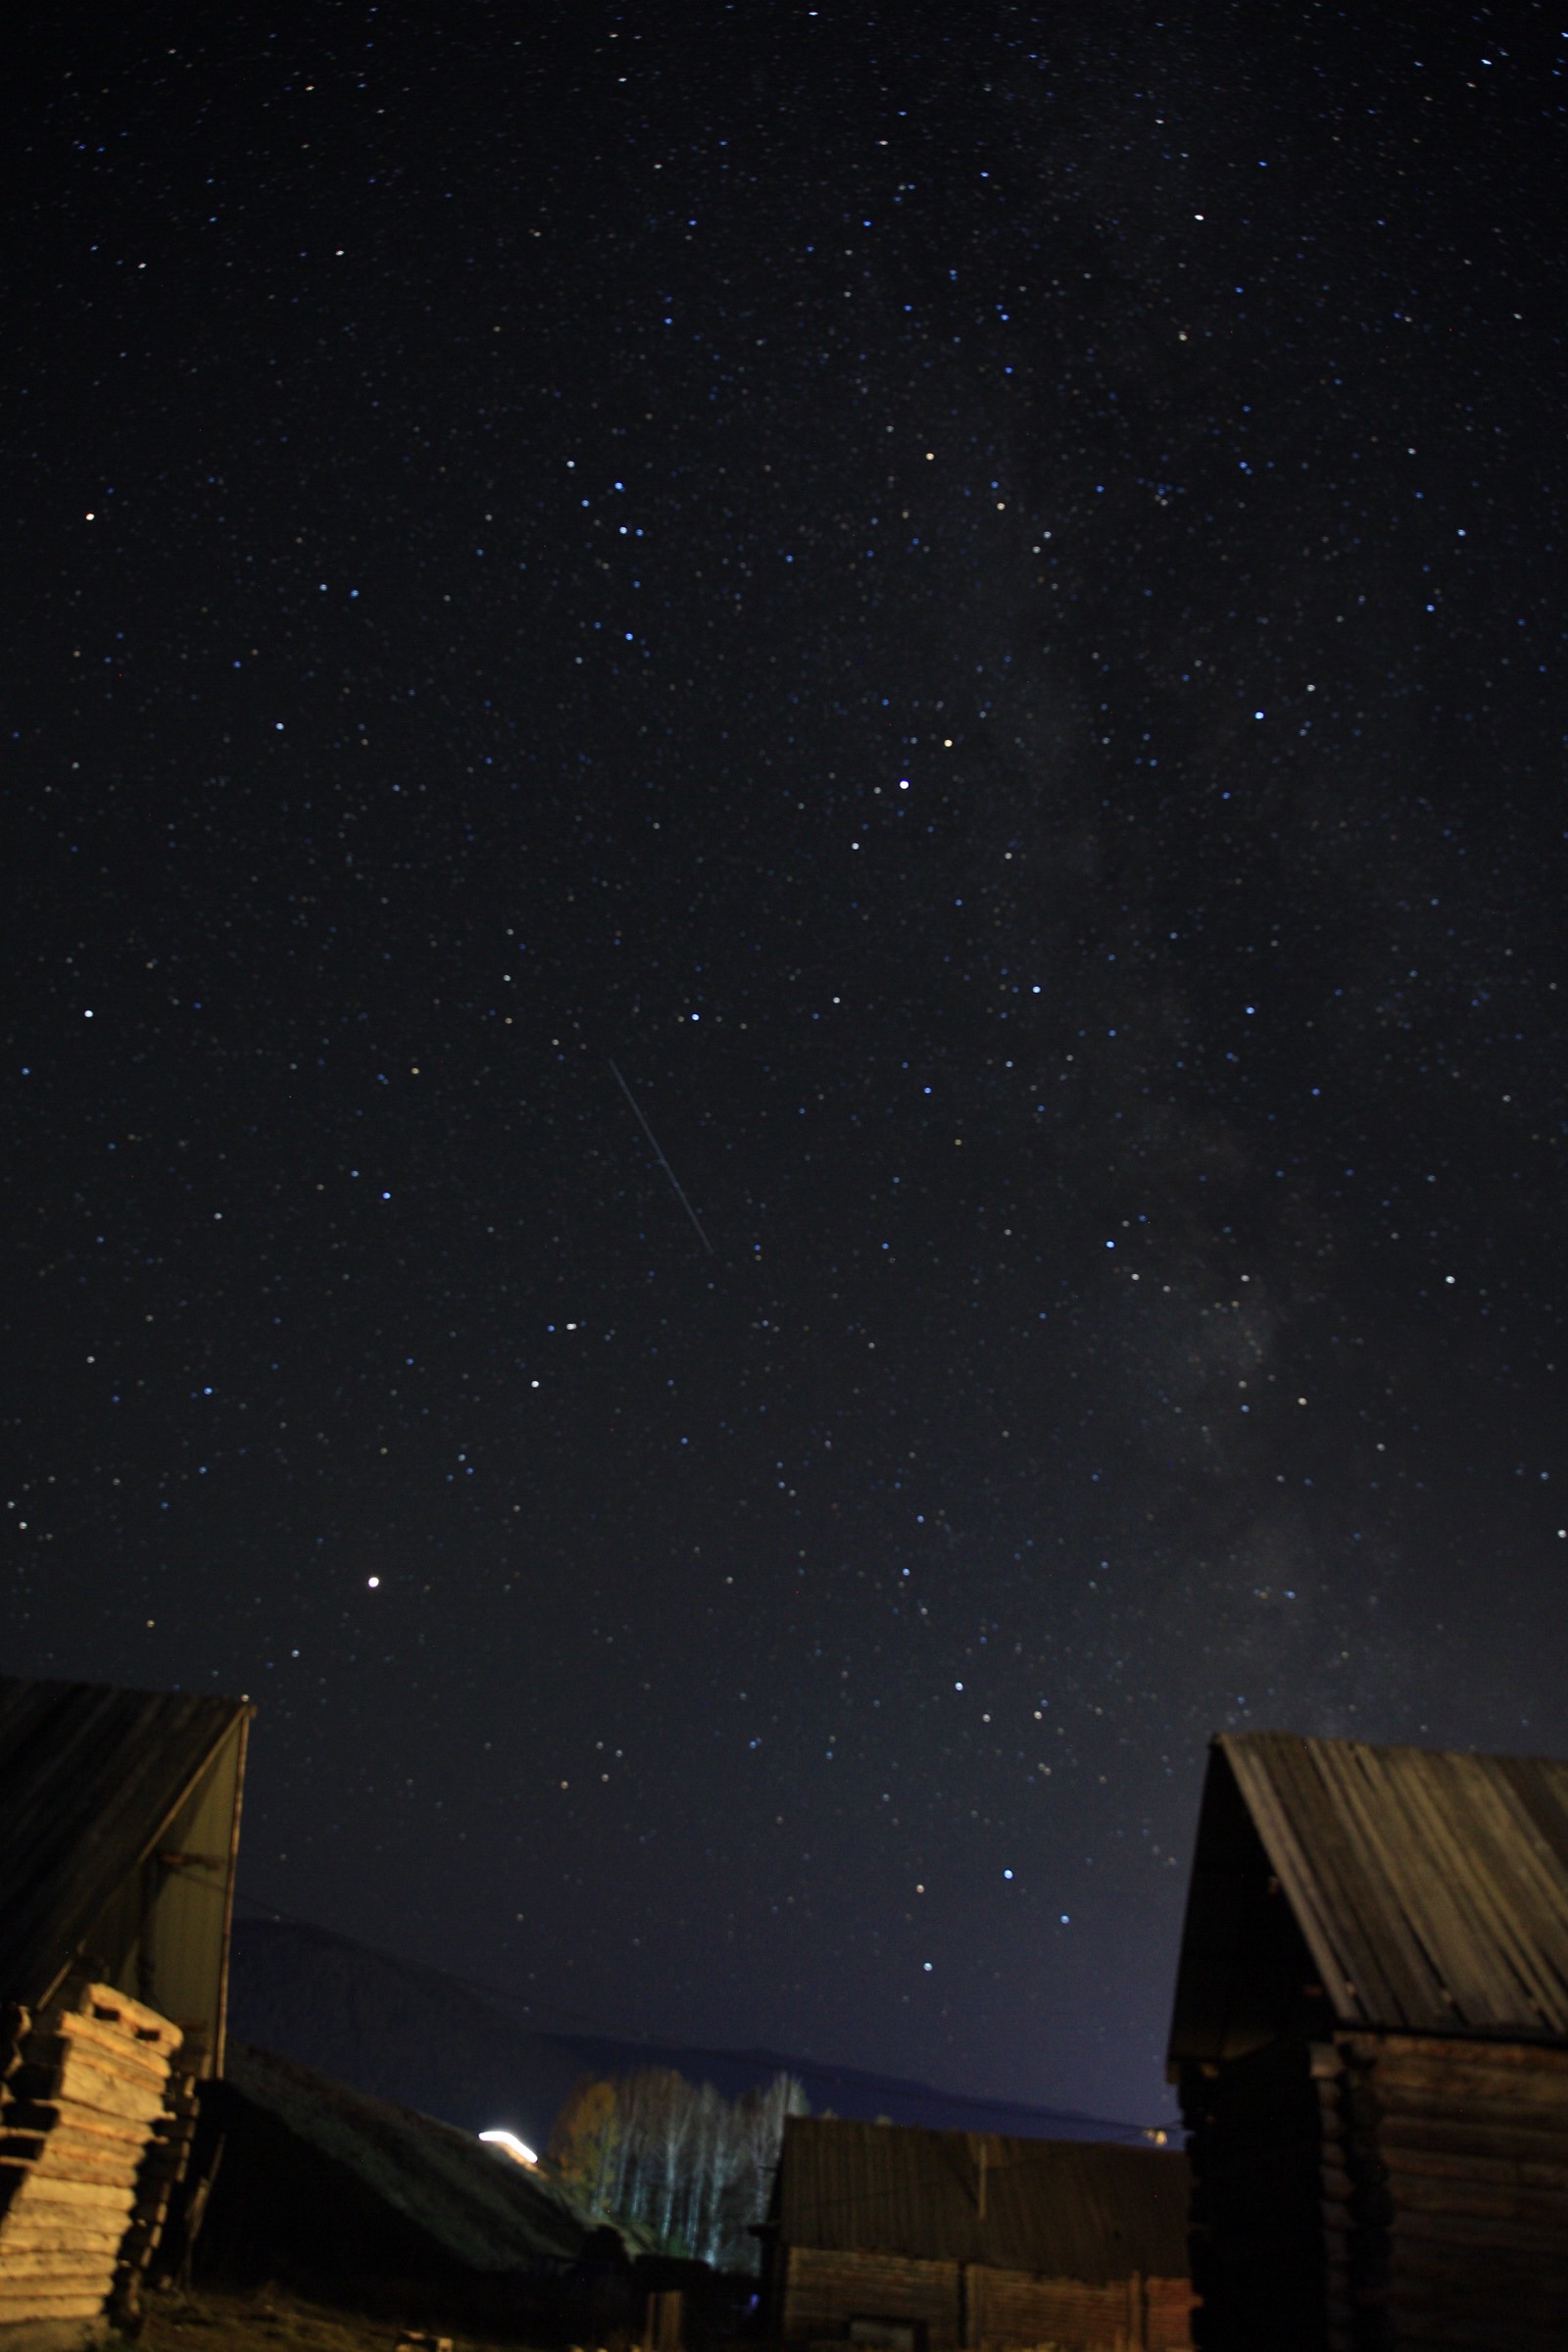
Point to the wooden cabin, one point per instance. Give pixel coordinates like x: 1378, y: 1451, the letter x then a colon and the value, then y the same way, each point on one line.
x: 926, y: 2241
x: 1371, y: 2044
x: 118, y: 1822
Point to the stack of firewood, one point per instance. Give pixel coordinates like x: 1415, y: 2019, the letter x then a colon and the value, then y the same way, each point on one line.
x: 88, y: 2149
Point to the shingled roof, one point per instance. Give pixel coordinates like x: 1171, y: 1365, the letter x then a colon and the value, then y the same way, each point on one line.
x: 90, y: 1779
x: 1429, y: 1889
x: 1069, y: 2209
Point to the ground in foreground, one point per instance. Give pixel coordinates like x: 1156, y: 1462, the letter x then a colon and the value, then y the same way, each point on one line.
x: 271, y: 2320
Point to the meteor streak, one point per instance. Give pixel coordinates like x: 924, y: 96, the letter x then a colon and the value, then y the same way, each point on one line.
x: 663, y: 1161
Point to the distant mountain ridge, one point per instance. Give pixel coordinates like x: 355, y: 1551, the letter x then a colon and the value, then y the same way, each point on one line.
x: 394, y: 2029
x: 400, y: 2030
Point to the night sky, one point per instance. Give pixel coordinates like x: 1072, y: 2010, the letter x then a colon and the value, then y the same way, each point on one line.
x: 971, y: 599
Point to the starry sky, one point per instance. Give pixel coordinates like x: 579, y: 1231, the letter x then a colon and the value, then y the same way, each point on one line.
x: 783, y: 1027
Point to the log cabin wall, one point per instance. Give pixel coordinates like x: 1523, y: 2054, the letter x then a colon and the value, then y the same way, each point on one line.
x: 824, y: 2291
x: 954, y: 2305
x: 1381, y: 2193
x: 1446, y: 2194
x: 1371, y: 2039
x: 1168, y: 2314
x: 1020, y: 2308
x: 975, y: 2238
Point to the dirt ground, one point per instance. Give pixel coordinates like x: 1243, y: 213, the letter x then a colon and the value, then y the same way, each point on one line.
x: 270, y: 2321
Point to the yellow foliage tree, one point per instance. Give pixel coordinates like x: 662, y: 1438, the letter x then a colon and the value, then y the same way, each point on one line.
x: 585, y: 2143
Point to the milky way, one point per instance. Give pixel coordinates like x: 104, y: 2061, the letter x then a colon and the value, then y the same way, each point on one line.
x: 972, y: 599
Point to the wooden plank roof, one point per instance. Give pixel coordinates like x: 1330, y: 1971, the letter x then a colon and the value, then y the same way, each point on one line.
x: 1430, y: 1886
x: 1070, y: 2209
x: 89, y: 1779
x: 486, y: 2212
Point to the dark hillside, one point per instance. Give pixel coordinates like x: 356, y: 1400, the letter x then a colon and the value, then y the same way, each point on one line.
x: 395, y: 2029
x: 415, y: 2035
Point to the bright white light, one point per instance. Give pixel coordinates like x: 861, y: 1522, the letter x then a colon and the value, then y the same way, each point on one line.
x: 517, y: 2149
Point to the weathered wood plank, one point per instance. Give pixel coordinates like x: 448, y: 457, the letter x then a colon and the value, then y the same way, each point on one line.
x: 106, y: 2166
x: 1444, y: 2242
x: 1357, y: 1974
x: 1376, y: 1805
x: 1526, y: 2137
x: 44, y: 2304
x: 59, y: 2274
x: 87, y: 2196
x: 88, y: 2087
x: 114, y: 2047
x: 1457, y: 2198
x: 108, y: 2003
x: 1519, y: 1888
x: 1497, y: 2173
x: 49, y: 2261
x: 1506, y: 2057
x: 1433, y: 1815
x: 47, y: 2232
x: 82, y: 2063
x: 1404, y: 2071
x: 39, y: 2119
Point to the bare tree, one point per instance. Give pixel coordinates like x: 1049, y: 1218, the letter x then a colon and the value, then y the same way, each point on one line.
x: 693, y: 2168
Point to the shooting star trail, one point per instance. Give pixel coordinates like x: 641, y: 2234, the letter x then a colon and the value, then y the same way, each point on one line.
x: 663, y: 1161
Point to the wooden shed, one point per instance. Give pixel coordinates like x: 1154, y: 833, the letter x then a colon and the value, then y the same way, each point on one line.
x: 1371, y: 2043
x: 357, y: 2200
x: 118, y: 1821
x: 926, y: 2241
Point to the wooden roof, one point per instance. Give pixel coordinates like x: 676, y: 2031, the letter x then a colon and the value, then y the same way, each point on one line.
x: 89, y: 1780
x: 486, y: 2212
x: 1429, y: 1887
x: 1069, y: 2209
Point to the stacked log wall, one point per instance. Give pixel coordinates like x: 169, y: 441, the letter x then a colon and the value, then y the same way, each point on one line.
x: 85, y: 2097
x: 1355, y: 2206
x: 1014, y: 2309
x: 1441, y: 2196
x: 825, y: 2290
x: 1449, y: 2190
x: 1168, y: 2315
x: 972, y: 2304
